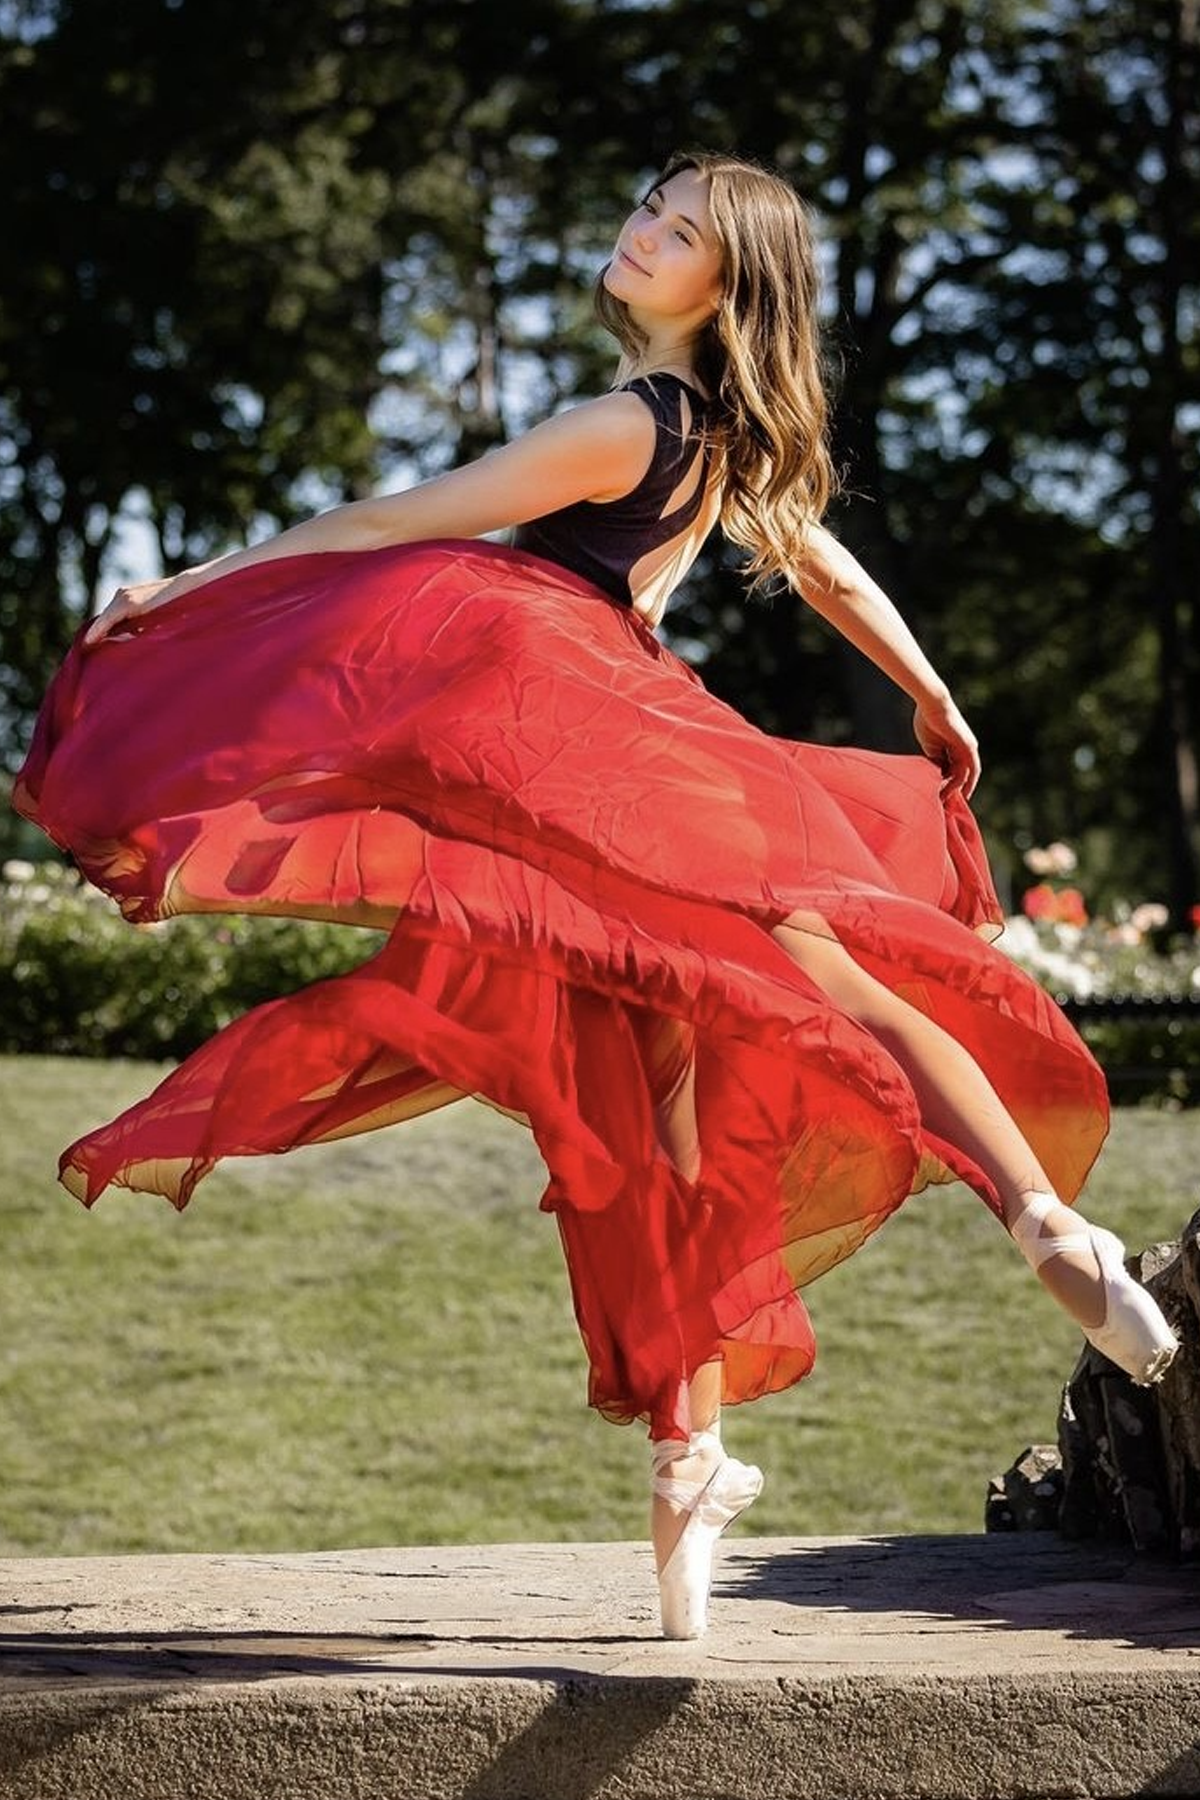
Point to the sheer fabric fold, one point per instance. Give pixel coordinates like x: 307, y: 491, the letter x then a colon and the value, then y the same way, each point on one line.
x: 578, y: 853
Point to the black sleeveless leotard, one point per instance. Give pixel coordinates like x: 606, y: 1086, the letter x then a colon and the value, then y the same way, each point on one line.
x: 603, y: 540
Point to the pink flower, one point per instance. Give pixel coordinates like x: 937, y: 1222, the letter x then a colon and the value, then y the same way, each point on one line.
x: 1064, y: 907
x: 1149, y: 916
x: 1038, y: 902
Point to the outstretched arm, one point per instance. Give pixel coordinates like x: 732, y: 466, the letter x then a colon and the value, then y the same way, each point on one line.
x: 837, y: 586
x: 596, y: 451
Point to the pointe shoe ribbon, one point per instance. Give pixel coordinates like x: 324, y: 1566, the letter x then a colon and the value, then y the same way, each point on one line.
x: 1133, y: 1333
x: 710, y: 1503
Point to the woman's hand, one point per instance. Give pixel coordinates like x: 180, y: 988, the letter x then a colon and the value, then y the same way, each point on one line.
x: 948, y: 740
x: 127, y: 606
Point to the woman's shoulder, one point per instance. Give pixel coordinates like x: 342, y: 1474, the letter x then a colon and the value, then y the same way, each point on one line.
x: 613, y: 418
x: 603, y: 445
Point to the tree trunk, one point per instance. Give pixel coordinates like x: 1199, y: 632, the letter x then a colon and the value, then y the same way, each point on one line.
x: 1168, y: 596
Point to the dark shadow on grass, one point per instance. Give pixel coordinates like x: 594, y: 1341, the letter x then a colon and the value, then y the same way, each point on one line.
x: 1026, y: 1581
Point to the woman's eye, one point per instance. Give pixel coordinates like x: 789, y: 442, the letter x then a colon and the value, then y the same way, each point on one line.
x: 683, y: 237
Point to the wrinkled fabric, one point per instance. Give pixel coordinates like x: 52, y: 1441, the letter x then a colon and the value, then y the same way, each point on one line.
x: 580, y: 853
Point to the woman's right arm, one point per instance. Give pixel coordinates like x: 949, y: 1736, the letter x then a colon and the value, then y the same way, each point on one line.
x: 596, y: 451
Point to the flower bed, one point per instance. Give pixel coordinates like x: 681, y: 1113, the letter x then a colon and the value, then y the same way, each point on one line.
x: 1133, y: 993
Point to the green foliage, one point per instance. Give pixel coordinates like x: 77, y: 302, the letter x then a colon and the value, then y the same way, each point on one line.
x: 76, y: 979
x: 1148, y: 1060
x: 257, y: 253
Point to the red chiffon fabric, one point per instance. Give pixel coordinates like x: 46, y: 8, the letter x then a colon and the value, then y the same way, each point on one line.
x: 580, y: 852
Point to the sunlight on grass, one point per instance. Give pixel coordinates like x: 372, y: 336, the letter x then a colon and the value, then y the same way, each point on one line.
x: 372, y: 1343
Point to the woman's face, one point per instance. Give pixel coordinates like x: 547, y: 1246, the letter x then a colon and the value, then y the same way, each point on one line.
x: 667, y: 264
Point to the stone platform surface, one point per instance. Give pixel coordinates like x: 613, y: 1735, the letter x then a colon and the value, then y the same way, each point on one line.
x: 952, y: 1668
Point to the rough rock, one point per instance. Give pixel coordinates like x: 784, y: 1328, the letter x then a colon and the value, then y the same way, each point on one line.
x: 1028, y: 1496
x: 1130, y: 1456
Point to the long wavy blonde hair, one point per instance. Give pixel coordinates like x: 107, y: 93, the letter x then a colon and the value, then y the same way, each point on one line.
x: 761, y: 357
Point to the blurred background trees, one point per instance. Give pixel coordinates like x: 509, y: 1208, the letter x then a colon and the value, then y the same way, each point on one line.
x: 260, y: 259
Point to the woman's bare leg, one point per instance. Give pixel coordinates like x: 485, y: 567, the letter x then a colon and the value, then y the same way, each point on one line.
x: 676, y: 1125
x: 957, y: 1101
x: 704, y: 1401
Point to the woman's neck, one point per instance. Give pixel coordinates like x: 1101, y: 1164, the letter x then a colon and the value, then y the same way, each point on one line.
x: 663, y: 353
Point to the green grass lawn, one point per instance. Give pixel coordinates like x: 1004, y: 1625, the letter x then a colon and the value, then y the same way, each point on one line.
x: 372, y: 1343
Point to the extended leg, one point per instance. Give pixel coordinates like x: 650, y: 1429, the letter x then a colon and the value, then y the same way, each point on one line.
x: 1074, y: 1262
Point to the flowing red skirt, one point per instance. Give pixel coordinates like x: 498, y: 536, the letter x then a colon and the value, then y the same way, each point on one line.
x: 580, y: 852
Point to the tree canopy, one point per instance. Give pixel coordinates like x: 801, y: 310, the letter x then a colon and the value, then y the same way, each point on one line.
x: 264, y: 258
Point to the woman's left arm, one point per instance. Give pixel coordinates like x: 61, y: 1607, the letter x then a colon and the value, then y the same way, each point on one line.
x: 835, y: 584
x: 597, y: 450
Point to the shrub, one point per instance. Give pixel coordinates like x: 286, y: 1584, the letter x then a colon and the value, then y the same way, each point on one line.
x: 77, y: 979
x: 1153, y: 1058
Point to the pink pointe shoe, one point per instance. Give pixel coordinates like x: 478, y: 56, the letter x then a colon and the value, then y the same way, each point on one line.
x: 1133, y: 1333
x: 710, y: 1503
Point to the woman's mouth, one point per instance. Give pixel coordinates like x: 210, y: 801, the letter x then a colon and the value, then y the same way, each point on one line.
x: 629, y: 263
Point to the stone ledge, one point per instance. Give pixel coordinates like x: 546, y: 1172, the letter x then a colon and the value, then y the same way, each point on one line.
x: 952, y: 1668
